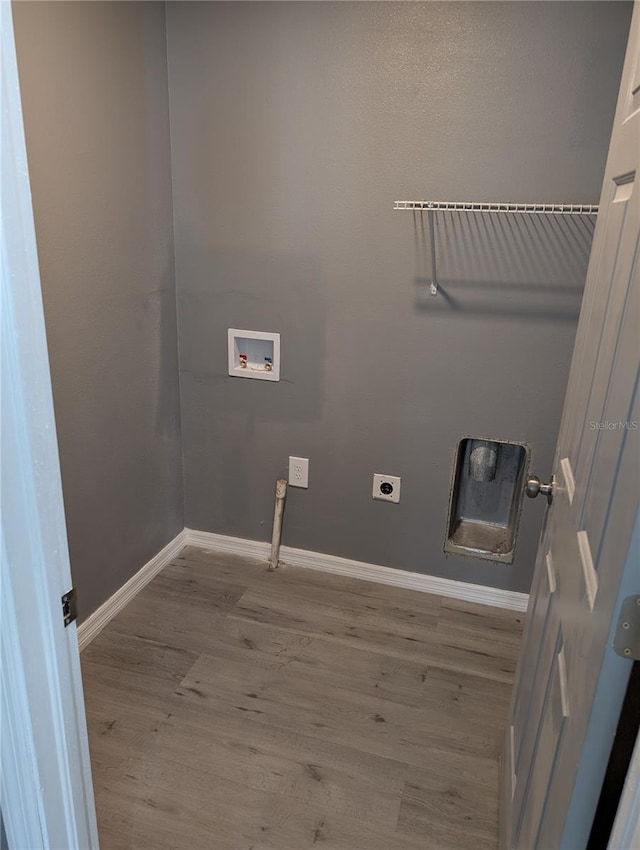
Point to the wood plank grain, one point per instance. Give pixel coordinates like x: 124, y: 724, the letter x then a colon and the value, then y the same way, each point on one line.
x: 177, y: 806
x: 263, y: 757
x: 452, y: 814
x: 134, y: 664
x: 407, y: 634
x: 238, y: 709
x: 266, y: 694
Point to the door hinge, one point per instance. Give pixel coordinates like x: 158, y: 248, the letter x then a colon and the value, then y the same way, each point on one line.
x: 627, y: 638
x: 69, y: 610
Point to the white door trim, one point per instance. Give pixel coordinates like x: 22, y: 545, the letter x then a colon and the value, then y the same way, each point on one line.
x: 46, y: 792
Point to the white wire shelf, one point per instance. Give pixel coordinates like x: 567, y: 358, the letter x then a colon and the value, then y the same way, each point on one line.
x: 474, y: 207
x: 432, y: 207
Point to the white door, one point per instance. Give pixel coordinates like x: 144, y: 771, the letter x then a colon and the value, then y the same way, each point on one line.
x: 46, y: 793
x: 570, y: 683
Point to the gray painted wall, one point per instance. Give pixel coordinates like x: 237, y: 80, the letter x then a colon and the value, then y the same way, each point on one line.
x: 94, y: 88
x: 294, y: 128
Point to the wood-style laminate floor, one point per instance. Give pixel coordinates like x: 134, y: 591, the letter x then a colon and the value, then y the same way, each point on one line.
x: 231, y: 708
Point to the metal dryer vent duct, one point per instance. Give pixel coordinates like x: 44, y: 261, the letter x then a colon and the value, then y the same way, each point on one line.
x: 487, y: 486
x: 483, y: 460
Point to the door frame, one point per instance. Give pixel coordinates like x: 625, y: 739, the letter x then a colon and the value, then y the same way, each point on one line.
x: 46, y: 793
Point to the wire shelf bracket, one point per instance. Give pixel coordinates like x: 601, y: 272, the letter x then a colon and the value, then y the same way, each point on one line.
x: 431, y: 207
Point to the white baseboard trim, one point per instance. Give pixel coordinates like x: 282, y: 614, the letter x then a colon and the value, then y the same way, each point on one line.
x: 509, y: 599
x: 94, y: 624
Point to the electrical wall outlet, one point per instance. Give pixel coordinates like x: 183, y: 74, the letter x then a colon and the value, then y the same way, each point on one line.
x: 298, y: 471
x: 386, y: 487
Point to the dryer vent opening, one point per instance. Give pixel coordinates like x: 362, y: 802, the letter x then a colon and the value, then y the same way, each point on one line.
x: 487, y: 487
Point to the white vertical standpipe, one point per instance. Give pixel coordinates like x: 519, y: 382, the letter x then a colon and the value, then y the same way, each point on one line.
x: 281, y: 492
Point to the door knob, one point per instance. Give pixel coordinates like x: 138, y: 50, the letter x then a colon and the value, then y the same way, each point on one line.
x: 534, y: 487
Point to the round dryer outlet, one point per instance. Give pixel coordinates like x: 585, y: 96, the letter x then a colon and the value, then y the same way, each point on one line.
x: 386, y: 487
